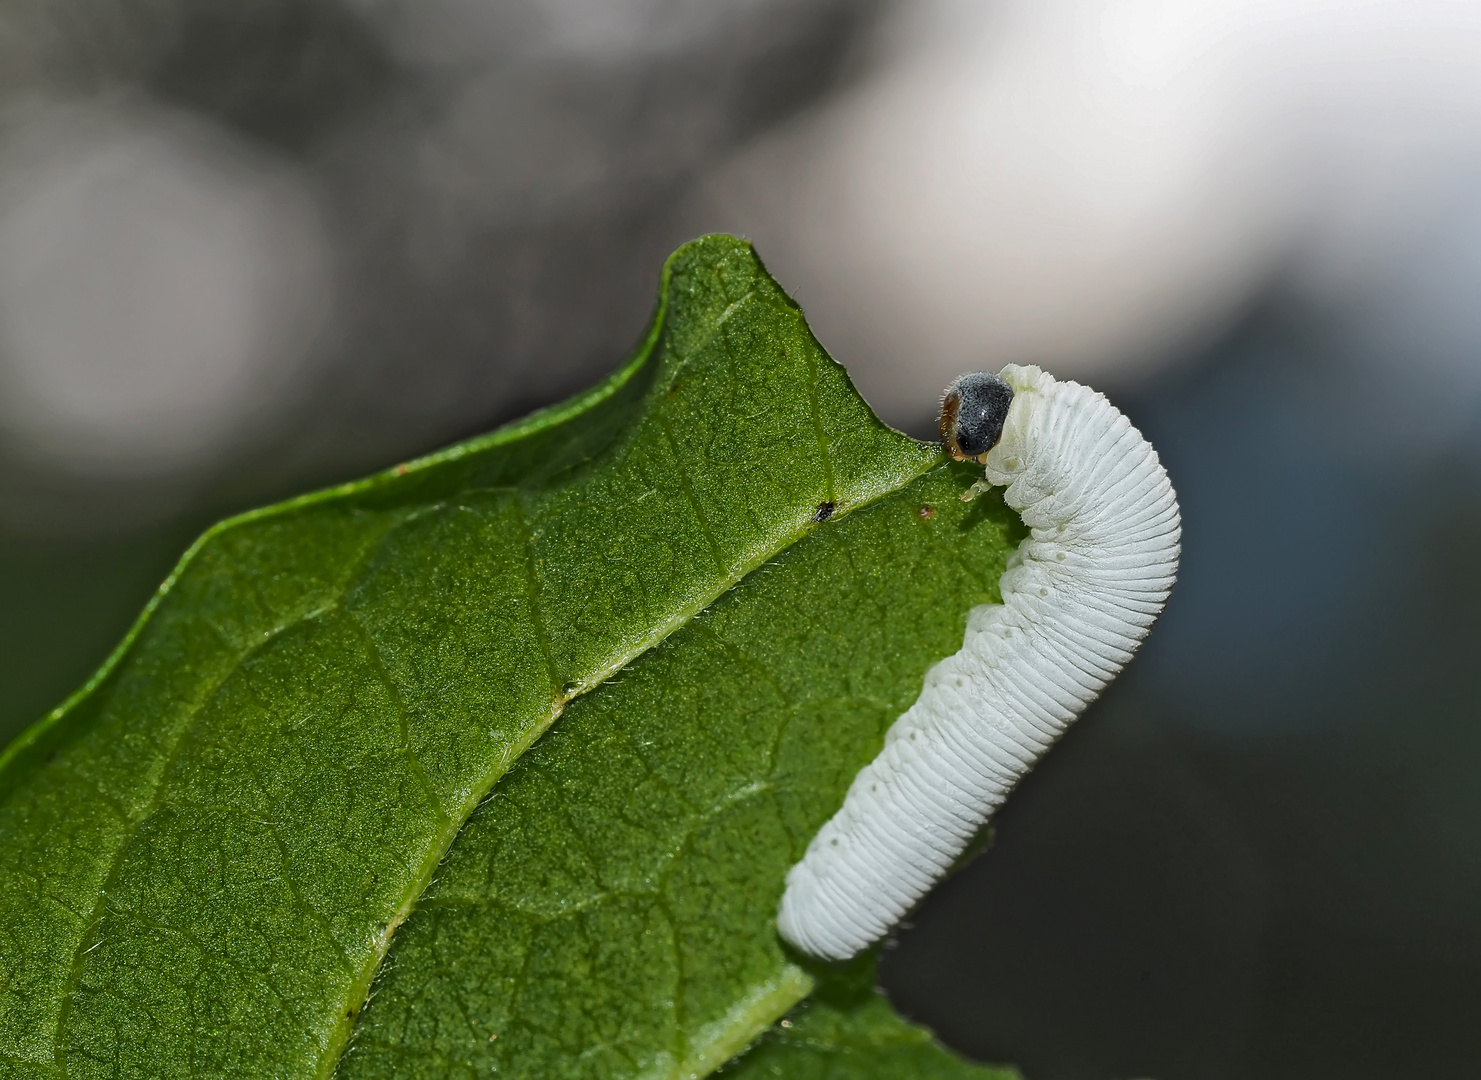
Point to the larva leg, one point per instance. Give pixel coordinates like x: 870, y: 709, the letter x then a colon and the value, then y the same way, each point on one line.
x: 1072, y: 613
x: 981, y: 487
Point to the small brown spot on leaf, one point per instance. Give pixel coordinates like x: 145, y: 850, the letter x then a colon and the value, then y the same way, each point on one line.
x: 926, y: 512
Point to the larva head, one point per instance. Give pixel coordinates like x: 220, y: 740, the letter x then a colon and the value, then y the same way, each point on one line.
x: 972, y: 414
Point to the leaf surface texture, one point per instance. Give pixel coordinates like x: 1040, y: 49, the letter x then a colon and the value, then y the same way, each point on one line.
x: 523, y: 735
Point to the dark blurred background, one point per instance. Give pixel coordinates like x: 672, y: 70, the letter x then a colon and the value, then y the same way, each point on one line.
x: 252, y: 246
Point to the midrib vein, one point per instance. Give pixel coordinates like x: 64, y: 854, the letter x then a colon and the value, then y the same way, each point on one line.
x: 441, y: 843
x: 681, y: 619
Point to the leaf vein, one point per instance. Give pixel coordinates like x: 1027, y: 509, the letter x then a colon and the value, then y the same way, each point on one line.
x: 181, y: 740
x: 681, y: 470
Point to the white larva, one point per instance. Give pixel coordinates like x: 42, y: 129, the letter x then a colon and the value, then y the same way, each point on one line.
x: 1079, y: 596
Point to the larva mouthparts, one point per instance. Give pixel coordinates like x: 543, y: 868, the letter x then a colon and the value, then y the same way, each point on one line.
x: 1087, y: 585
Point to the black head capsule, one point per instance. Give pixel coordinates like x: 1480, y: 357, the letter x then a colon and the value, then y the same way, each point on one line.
x: 972, y: 414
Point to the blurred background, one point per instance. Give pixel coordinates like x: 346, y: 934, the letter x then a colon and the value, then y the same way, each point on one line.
x: 251, y: 247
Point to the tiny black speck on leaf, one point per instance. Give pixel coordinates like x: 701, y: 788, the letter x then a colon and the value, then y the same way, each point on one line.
x: 570, y: 688
x: 824, y: 512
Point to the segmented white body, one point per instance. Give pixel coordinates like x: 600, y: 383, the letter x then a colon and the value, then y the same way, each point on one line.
x: 1079, y: 596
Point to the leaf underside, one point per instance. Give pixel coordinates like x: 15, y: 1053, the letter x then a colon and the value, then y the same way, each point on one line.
x: 846, y: 1031
x: 300, y: 822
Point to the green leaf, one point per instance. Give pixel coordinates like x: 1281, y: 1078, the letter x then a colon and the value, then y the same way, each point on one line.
x: 848, y: 1032
x: 609, y: 910
x: 206, y: 854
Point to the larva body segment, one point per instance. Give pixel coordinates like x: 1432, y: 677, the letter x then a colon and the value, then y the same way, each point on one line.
x: 1079, y: 596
